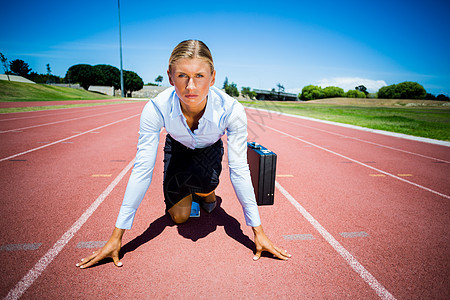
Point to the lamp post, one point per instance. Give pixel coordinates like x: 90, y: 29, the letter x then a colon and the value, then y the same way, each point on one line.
x: 121, y: 68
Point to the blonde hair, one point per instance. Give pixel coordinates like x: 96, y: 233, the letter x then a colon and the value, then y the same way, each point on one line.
x: 191, y: 49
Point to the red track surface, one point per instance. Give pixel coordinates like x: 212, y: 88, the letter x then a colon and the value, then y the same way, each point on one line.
x: 391, y: 193
x: 51, y: 103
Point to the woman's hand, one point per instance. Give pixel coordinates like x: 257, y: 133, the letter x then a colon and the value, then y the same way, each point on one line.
x: 263, y: 243
x: 111, y: 249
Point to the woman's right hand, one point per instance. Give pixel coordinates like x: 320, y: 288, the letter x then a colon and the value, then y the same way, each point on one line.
x: 111, y: 249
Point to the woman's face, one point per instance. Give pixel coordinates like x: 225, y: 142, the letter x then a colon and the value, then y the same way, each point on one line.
x: 192, y: 79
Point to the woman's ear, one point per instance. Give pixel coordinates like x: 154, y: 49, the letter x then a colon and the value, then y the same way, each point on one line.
x: 213, y: 79
x: 170, y: 78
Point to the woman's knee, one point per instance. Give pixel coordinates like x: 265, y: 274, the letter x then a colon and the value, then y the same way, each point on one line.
x: 179, y: 217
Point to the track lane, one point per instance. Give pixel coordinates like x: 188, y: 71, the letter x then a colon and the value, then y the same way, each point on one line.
x: 15, y: 120
x: 384, y: 161
x: 394, y: 252
x: 48, y: 191
x: 211, y: 249
x: 365, y: 141
x: 19, y: 143
x: 29, y: 115
x: 386, y: 209
x: 48, y: 123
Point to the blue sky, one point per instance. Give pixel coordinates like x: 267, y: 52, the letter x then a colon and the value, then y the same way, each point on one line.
x: 254, y: 43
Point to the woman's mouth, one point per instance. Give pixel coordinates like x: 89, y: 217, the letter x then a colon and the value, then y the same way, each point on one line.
x: 191, y: 96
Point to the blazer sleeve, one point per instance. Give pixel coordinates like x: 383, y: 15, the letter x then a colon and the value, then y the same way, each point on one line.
x: 141, y: 176
x: 237, y: 161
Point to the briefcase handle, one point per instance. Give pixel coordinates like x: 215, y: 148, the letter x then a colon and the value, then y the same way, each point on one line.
x: 254, y: 145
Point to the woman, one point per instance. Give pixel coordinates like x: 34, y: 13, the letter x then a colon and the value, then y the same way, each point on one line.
x: 195, y: 115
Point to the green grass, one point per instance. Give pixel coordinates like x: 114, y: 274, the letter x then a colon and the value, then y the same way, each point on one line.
x: 430, y: 122
x: 19, y: 91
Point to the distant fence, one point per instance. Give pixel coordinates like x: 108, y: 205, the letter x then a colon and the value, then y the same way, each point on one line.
x: 14, y: 78
x: 149, y: 91
x: 69, y: 85
x: 107, y: 90
x: 274, y: 95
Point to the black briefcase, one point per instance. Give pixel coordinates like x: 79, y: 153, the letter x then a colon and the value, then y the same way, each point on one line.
x: 262, y: 163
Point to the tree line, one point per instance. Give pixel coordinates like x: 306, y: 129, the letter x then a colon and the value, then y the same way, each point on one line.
x: 104, y: 75
x: 84, y: 74
x: 403, y: 90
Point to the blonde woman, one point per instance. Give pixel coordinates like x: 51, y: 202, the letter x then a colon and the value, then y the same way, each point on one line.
x: 195, y: 115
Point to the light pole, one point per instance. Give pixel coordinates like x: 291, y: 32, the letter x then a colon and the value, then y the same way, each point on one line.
x: 121, y: 68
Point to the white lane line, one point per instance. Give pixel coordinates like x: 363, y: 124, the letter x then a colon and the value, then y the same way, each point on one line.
x: 354, y: 234
x: 381, y: 291
x: 368, y: 142
x: 67, y: 120
x: 358, y: 162
x: 41, y: 265
x: 68, y: 138
x: 91, y: 245
x: 303, y: 237
x: 18, y: 247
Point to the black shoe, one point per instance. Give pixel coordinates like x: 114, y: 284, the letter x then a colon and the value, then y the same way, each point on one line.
x: 207, y: 206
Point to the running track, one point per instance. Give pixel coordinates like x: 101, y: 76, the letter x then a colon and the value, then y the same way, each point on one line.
x: 364, y: 215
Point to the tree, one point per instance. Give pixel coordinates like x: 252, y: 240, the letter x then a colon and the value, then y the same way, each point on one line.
x: 5, y: 64
x: 83, y: 74
x: 411, y: 90
x: 19, y: 67
x: 355, y: 94
x: 333, y: 91
x: 159, y: 79
x: 225, y: 83
x: 403, y: 90
x: 363, y: 89
x: 311, y: 92
x: 245, y: 91
x: 280, y: 89
x: 106, y: 75
x: 49, y: 70
x: 132, y: 82
x: 442, y: 97
x: 232, y: 90
x: 388, y: 92
x: 430, y: 97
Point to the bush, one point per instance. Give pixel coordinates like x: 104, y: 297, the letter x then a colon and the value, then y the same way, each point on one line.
x: 312, y: 92
x: 232, y: 90
x: 355, y: 94
x: 442, y: 97
x: 404, y: 90
x: 333, y: 91
x: 245, y: 91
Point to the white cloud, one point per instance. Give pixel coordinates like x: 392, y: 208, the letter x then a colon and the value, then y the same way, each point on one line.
x: 349, y: 83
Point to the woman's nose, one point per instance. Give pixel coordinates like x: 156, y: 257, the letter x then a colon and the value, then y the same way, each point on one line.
x: 191, y: 84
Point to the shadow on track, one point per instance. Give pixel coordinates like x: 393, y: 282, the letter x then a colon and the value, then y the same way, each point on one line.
x: 194, y: 229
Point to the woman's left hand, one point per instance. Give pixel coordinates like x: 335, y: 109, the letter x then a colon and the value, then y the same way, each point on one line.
x: 263, y: 243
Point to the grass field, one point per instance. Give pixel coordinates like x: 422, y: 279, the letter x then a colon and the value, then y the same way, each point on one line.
x: 430, y: 119
x: 422, y: 118
x: 19, y: 91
